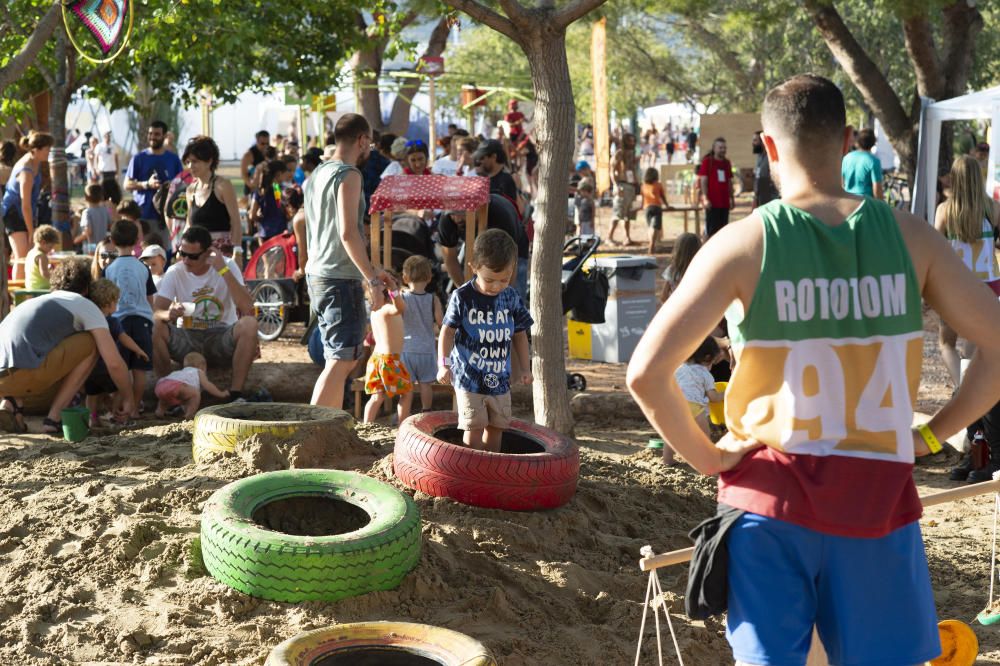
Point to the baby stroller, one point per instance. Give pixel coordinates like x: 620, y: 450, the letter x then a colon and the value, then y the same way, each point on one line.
x: 584, y: 291
x: 277, y: 298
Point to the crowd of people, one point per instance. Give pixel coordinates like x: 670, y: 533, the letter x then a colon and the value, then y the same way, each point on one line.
x: 818, y: 507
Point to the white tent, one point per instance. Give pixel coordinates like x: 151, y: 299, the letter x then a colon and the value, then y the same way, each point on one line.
x: 984, y: 104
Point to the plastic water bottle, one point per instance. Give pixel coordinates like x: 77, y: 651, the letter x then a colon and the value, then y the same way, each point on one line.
x: 980, y: 451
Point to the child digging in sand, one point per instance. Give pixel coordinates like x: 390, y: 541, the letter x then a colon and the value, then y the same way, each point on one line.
x: 386, y: 375
x: 485, y: 317
x: 105, y: 294
x: 182, y: 388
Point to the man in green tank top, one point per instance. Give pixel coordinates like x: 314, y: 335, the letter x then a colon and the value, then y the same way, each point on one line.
x: 338, y: 259
x: 822, y: 291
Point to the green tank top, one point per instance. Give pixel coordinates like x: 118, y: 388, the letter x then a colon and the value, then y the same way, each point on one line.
x: 327, y: 255
x: 830, y: 349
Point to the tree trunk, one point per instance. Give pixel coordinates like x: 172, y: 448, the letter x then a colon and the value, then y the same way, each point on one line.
x: 367, y: 69
x: 58, y: 167
x: 399, y: 118
x: 555, y: 118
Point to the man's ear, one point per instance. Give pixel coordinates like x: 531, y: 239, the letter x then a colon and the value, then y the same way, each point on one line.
x: 770, y: 147
x: 848, y: 140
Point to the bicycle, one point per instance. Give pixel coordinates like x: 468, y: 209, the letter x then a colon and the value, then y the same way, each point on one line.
x: 897, y: 190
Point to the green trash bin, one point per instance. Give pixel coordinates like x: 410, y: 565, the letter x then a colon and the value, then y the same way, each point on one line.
x: 75, y: 426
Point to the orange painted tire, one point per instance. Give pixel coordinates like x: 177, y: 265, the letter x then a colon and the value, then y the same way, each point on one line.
x: 959, y: 645
x: 513, y: 481
x: 380, y: 642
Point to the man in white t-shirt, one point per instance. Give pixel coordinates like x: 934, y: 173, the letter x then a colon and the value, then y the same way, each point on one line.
x: 106, y: 158
x: 207, y: 293
x: 448, y: 165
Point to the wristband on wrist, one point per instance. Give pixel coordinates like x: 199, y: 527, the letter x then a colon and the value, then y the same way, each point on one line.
x: 444, y: 362
x: 223, y: 270
x: 932, y: 442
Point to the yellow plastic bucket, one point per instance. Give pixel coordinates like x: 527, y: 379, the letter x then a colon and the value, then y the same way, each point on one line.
x: 717, y: 410
x: 959, y: 646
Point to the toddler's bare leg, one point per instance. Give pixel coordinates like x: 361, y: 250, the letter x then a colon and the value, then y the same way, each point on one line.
x: 474, y: 438
x: 491, y: 441
x: 702, y: 421
x: 192, y: 400
x: 373, y: 406
x: 404, y: 408
x: 161, y: 409
x: 426, y: 396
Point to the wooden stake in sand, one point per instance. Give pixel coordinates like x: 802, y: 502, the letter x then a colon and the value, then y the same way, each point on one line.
x: 684, y: 554
x: 817, y: 655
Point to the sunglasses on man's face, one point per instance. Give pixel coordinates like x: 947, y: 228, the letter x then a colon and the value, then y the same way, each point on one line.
x: 190, y: 255
x: 109, y: 255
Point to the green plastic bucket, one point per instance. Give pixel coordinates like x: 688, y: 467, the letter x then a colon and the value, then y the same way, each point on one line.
x: 74, y: 420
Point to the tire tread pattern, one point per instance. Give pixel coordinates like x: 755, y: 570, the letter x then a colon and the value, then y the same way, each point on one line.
x: 517, y: 482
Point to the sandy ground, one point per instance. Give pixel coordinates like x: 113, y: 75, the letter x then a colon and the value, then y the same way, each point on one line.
x: 98, y: 563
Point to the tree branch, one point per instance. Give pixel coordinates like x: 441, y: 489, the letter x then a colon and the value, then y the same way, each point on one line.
x: 713, y: 44
x: 20, y: 62
x: 919, y: 39
x: 961, y: 25
x: 486, y: 16
x: 401, y: 105
x: 515, y: 12
x: 575, y: 10
x: 864, y: 74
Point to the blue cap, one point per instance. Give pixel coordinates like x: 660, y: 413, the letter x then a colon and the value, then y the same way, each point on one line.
x: 582, y: 164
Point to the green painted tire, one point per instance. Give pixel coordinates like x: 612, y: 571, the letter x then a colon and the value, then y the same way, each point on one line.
x: 285, y: 567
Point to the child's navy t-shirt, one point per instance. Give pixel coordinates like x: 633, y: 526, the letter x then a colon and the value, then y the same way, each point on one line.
x: 480, y: 361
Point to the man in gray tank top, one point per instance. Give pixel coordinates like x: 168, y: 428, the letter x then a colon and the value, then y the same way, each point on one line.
x: 338, y: 259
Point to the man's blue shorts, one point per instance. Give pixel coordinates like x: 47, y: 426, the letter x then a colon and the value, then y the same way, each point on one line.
x: 870, y: 599
x: 340, y: 306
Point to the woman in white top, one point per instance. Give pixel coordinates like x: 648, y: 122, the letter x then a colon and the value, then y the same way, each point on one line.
x: 968, y: 219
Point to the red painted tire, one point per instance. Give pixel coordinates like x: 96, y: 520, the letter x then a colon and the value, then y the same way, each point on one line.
x: 511, y: 481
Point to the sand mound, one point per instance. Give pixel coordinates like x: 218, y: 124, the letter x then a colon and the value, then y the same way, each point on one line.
x: 99, y: 560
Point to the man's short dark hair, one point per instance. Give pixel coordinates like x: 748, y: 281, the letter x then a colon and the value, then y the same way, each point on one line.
x: 72, y: 275
x: 263, y: 134
x: 199, y: 235
x: 494, y: 249
x: 385, y: 142
x: 350, y: 127
x: 866, y: 138
x: 490, y: 147
x: 806, y: 108
x: 202, y: 148
x: 159, y: 124
x: 461, y: 132
x: 124, y: 233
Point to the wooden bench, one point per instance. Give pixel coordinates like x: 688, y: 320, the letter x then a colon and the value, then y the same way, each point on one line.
x: 358, y: 387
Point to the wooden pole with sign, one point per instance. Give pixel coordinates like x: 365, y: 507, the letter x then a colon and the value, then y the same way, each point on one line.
x: 432, y: 137
x: 602, y: 140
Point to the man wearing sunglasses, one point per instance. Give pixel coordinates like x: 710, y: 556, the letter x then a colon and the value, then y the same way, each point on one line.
x: 204, y: 290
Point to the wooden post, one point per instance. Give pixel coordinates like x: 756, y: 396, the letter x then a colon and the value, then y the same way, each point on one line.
x: 432, y: 137
x: 471, y: 222
x: 387, y: 241
x: 376, y: 236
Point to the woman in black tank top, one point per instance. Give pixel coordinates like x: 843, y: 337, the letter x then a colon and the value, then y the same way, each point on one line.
x: 211, y: 200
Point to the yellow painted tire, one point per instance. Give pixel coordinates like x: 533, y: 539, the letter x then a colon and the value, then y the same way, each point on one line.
x: 219, y: 428
x: 959, y: 645
x: 379, y: 642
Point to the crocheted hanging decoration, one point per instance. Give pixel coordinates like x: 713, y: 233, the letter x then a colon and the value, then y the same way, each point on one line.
x: 104, y: 18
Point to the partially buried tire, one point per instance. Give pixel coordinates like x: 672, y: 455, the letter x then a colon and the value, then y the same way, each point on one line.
x: 310, y: 535
x: 538, y: 468
x: 381, y: 644
x: 219, y: 428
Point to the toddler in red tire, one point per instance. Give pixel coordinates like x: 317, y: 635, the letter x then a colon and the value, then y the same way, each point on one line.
x: 484, y: 321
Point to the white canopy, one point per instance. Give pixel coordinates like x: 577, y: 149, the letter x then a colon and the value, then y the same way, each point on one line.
x: 982, y: 104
